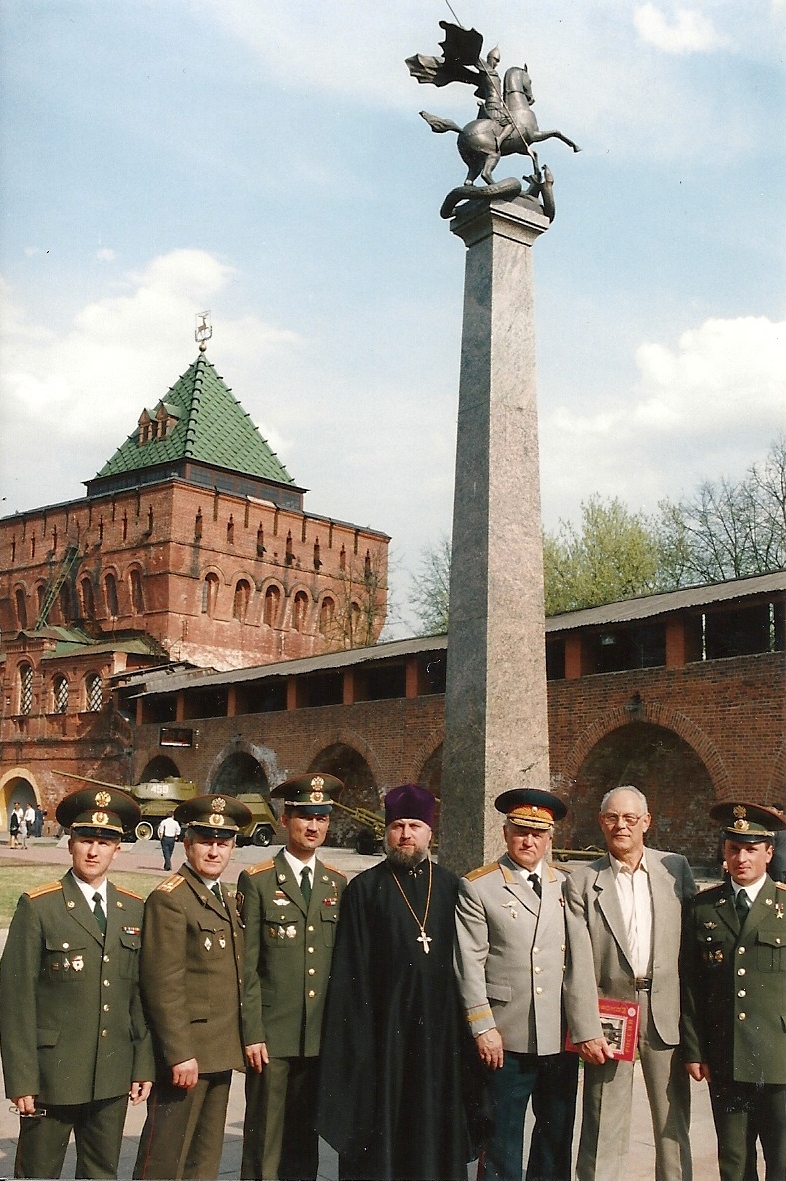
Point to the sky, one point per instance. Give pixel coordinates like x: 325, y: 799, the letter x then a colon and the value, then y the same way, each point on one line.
x: 266, y: 161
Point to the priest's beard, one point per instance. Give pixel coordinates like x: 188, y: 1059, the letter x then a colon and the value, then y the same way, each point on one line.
x: 406, y: 858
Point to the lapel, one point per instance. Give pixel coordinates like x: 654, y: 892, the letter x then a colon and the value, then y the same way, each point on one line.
x: 286, y: 881
x: 762, y: 907
x: 551, y: 903
x: 205, y: 896
x: 115, y: 919
x: 80, y: 911
x: 609, y: 903
x: 725, y: 910
x: 662, y: 892
x: 515, y: 884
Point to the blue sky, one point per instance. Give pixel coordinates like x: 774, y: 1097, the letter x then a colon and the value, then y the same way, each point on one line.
x: 267, y: 161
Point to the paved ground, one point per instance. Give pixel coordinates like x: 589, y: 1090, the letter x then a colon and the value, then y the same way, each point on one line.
x: 146, y: 857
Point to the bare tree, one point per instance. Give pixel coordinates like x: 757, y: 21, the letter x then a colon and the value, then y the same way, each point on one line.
x: 430, y: 593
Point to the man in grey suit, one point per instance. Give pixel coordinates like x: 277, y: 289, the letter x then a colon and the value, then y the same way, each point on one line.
x: 631, y: 900
x: 514, y: 939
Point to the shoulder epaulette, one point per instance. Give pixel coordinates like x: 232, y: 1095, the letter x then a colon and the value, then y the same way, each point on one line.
x: 128, y: 893
x: 481, y: 871
x: 558, y: 868
x: 261, y: 867
x: 171, y: 883
x: 780, y: 885
x: 333, y: 869
x: 707, y: 889
x: 48, y: 888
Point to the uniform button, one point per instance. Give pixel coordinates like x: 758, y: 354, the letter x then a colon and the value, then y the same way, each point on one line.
x: 310, y: 927
x: 311, y: 951
x: 537, y: 969
x: 106, y: 983
x: 105, y: 1008
x: 311, y: 971
x: 538, y: 991
x: 535, y: 950
x: 740, y: 1016
x: 311, y: 994
x: 741, y: 992
x: 106, y: 959
x: 740, y: 971
x: 66, y: 946
x: 778, y: 939
x: 740, y: 951
x: 103, y: 1033
x: 562, y: 947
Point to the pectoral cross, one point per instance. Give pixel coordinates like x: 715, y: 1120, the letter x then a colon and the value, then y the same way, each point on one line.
x: 424, y: 939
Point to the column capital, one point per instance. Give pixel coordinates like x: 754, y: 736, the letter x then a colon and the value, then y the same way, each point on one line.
x: 522, y: 220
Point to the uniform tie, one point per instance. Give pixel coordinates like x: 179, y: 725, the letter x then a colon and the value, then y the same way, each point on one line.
x: 743, y: 904
x: 305, y: 884
x: 98, y: 911
x: 534, y: 881
x: 216, y: 889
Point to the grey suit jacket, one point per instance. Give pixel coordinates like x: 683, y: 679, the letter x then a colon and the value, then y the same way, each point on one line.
x: 511, y: 954
x: 592, y: 896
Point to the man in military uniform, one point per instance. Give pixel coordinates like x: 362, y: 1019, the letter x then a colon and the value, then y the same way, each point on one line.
x: 512, y: 932
x: 289, y: 907
x: 192, y: 983
x: 734, y: 993
x: 74, y: 1041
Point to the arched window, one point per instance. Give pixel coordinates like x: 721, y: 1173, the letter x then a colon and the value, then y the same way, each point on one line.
x: 21, y: 607
x: 137, y: 598
x: 60, y: 695
x: 25, y: 688
x: 354, y: 622
x: 272, y: 600
x: 299, y: 609
x: 64, y: 599
x: 209, y: 594
x: 242, y: 596
x: 110, y: 594
x: 327, y: 611
x: 88, y: 601
x: 94, y: 692
x: 40, y: 591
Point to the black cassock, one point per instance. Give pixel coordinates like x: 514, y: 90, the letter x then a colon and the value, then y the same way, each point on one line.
x: 399, y: 1070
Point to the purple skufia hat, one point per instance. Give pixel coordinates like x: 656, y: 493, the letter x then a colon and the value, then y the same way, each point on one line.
x: 409, y: 802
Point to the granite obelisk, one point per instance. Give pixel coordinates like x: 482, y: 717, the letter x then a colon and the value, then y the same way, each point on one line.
x: 496, y: 723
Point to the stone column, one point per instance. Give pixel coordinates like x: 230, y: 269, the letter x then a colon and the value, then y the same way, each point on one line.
x: 496, y: 722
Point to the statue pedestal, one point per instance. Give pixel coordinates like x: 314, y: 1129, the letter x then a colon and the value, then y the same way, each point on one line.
x: 496, y: 721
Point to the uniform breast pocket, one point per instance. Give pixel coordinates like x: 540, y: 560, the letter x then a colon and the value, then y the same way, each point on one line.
x: 770, y: 947
x: 213, y: 939
x: 64, y: 962
x: 279, y: 929
x: 329, y: 919
x: 713, y: 954
x: 130, y: 946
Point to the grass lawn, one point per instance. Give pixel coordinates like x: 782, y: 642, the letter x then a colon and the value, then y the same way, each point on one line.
x: 16, y: 879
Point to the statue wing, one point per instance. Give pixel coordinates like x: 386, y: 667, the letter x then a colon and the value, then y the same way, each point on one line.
x: 461, y: 51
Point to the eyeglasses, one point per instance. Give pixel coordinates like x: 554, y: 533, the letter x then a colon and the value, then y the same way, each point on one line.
x: 612, y: 819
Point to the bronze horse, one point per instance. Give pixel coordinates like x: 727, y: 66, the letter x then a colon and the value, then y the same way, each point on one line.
x: 483, y: 141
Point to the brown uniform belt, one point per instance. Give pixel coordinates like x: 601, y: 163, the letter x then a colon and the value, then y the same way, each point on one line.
x: 642, y: 983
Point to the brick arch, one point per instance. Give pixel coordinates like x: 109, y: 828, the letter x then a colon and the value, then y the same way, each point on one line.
x: 345, y: 736
x: 263, y: 755
x: 212, y: 568
x: 360, y: 778
x: 418, y: 758
x: 658, y: 715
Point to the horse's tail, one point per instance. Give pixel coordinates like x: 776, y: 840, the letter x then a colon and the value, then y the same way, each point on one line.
x: 439, y: 125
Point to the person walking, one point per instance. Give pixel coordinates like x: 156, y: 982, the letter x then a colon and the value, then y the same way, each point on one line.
x: 168, y: 832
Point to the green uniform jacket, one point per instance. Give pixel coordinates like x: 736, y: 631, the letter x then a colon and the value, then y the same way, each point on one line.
x: 288, y: 955
x: 734, y: 985
x: 192, y: 975
x: 72, y: 1028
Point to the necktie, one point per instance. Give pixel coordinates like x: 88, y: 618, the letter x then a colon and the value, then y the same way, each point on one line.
x: 216, y: 889
x: 98, y: 911
x: 305, y: 884
x: 743, y: 904
x: 534, y: 881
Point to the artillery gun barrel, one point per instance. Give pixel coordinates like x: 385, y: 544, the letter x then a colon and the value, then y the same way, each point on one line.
x: 87, y: 779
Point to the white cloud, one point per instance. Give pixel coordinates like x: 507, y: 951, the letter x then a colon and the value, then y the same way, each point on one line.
x: 689, y: 32
x: 84, y: 389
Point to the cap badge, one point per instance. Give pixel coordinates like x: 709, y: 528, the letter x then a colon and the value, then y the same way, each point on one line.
x: 216, y: 819
x: 103, y: 799
x: 219, y: 804
x: 100, y: 818
x: 741, y: 825
x: 739, y: 812
x: 317, y: 792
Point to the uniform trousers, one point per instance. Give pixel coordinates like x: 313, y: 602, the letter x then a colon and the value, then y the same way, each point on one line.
x: 280, y: 1141
x: 739, y: 1110
x: 184, y: 1130
x: 98, y: 1132
x: 608, y: 1098
x: 550, y: 1081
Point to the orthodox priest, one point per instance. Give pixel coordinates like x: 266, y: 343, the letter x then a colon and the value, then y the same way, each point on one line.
x: 396, y: 1086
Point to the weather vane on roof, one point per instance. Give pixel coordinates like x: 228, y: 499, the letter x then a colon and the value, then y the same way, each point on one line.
x: 204, y: 330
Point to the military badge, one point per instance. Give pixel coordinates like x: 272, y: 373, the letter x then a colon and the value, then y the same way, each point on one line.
x: 77, y: 963
x: 208, y: 943
x: 219, y: 804
x: 291, y: 932
x: 216, y: 820
x: 100, y: 818
x: 222, y: 941
x: 70, y: 904
x: 710, y: 926
x: 103, y: 799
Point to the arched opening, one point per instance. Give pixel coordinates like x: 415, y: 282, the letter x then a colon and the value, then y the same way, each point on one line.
x: 21, y: 608
x: 299, y: 611
x: 209, y: 594
x: 327, y: 613
x: 94, y: 693
x: 16, y: 789
x: 88, y: 600
x: 667, y: 769
x: 110, y: 593
x: 272, y: 601
x: 241, y: 600
x: 25, y: 688
x: 137, y: 597
x: 159, y: 768
x: 360, y: 791
x: 64, y: 602
x: 60, y: 695
x: 241, y: 774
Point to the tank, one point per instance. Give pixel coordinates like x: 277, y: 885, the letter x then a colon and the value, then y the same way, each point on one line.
x: 158, y: 797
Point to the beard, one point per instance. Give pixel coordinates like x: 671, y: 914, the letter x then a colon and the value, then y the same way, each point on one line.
x: 406, y: 858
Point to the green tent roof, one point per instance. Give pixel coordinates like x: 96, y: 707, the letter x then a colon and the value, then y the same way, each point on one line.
x: 208, y: 425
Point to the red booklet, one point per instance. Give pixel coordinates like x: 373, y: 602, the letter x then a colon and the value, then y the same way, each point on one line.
x: 619, y: 1021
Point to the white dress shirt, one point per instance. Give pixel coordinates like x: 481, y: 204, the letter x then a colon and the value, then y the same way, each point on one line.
x: 633, y: 891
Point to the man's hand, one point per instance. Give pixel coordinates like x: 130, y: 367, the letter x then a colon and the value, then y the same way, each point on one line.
x: 139, y: 1092
x: 25, y: 1104
x: 596, y: 1051
x: 185, y: 1074
x: 698, y: 1071
x: 257, y: 1056
x: 490, y: 1048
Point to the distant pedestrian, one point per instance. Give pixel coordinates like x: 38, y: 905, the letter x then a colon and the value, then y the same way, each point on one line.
x: 39, y: 821
x: 21, y: 835
x: 168, y: 832
x: 14, y: 820
x: 30, y: 820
